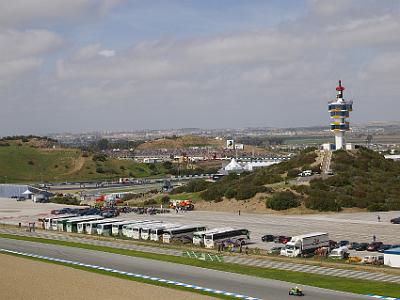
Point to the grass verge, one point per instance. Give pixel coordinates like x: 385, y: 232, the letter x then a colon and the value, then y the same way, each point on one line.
x: 357, y: 286
x: 141, y: 280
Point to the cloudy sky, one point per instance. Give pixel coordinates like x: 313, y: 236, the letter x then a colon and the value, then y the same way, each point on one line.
x: 82, y: 65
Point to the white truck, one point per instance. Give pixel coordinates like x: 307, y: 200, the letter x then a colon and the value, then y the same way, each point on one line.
x: 339, y: 253
x: 306, y: 243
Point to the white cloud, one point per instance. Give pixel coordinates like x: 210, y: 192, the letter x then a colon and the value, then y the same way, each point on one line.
x: 18, y: 12
x: 107, y: 53
x: 18, y: 44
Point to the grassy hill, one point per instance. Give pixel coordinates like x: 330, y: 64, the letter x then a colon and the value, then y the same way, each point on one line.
x: 31, y: 162
x: 180, y: 142
x: 363, y: 179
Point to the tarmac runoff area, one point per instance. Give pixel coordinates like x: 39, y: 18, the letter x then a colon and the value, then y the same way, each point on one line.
x: 356, y: 227
x: 23, y: 278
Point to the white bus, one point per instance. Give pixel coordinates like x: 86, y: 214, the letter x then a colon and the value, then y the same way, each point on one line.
x: 145, y: 231
x: 133, y: 231
x: 241, y: 236
x: 105, y: 228
x: 183, y: 234
x: 198, y: 236
x: 91, y: 227
x: 156, y: 233
x: 48, y: 220
x: 117, y: 228
x: 72, y: 223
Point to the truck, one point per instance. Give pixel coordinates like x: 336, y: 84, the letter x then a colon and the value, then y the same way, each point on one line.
x: 339, y: 253
x: 306, y: 243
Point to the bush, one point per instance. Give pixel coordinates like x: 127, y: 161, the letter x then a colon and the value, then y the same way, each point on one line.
x: 99, y: 157
x: 165, y: 200
x: 69, y: 200
x: 149, y: 202
x: 283, y: 200
x: 100, y: 170
x: 230, y: 193
x: 31, y: 162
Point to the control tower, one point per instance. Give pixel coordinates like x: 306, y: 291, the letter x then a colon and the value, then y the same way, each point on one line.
x: 339, y: 110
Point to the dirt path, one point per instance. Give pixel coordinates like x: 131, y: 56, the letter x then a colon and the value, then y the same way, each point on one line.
x: 23, y: 278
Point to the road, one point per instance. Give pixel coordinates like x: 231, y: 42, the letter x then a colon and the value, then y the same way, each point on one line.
x: 242, y: 284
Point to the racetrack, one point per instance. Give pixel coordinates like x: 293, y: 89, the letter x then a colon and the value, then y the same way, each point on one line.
x: 242, y: 284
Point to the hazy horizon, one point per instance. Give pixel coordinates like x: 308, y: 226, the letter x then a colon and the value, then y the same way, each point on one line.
x: 115, y: 65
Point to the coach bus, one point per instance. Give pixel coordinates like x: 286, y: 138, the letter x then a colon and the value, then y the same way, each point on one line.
x: 198, y: 236
x: 156, y: 233
x: 182, y: 234
x: 233, y: 236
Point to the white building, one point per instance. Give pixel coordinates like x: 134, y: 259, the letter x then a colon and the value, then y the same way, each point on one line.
x: 392, y: 257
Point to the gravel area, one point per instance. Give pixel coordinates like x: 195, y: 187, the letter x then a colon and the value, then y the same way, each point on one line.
x: 27, y: 279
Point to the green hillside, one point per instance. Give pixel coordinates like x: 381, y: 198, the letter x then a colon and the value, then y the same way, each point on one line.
x: 363, y: 178
x: 28, y: 162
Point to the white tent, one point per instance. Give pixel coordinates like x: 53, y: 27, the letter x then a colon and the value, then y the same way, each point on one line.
x: 233, y: 166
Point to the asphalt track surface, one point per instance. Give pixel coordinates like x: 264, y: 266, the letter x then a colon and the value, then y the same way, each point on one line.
x: 230, y: 282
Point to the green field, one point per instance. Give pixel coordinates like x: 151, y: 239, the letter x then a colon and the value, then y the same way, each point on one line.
x: 21, y: 162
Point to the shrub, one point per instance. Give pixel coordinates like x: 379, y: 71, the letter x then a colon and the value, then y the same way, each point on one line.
x: 283, y: 200
x: 165, y: 200
x: 31, y: 162
x: 230, y: 193
x: 150, y: 202
x: 99, y: 157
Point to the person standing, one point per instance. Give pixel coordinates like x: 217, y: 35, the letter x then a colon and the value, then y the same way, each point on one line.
x: 379, y: 218
x: 374, y: 238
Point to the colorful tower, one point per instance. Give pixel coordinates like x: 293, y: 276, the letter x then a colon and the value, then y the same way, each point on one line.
x: 339, y: 110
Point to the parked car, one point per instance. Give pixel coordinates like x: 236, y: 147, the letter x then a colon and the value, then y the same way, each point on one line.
x: 374, y: 246
x: 268, y: 238
x: 361, y: 247
x: 282, y: 239
x: 332, y: 244
x: 343, y: 243
x: 275, y: 250
x: 395, y: 220
x: 373, y: 259
x: 352, y: 245
x: 384, y: 247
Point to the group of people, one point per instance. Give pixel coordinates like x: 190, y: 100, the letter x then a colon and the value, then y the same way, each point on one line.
x: 232, y: 247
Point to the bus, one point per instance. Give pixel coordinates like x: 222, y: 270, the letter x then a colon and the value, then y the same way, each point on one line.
x: 234, y: 236
x: 156, y: 232
x: 91, y: 226
x: 145, y: 230
x: 60, y: 224
x: 183, y: 234
x: 116, y: 229
x: 134, y: 230
x: 198, y: 236
x: 72, y: 223
x: 47, y: 221
x: 105, y: 227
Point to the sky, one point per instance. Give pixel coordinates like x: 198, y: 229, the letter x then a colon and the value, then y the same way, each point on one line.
x: 121, y: 65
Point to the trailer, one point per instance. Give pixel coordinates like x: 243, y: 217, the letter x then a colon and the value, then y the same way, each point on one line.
x: 306, y: 243
x: 72, y: 224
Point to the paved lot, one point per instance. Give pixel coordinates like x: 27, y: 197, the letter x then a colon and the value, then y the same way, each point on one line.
x: 358, y: 227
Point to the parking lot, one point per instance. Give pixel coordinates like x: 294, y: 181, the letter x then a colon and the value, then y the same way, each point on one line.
x: 355, y: 227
